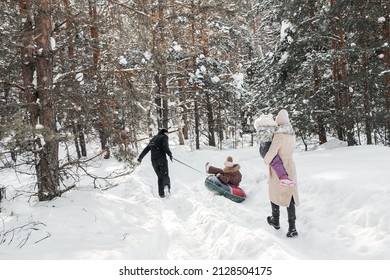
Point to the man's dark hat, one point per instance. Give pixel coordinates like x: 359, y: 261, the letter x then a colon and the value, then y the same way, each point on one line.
x: 163, y: 130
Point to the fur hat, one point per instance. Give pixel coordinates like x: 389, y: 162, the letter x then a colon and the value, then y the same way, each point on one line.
x: 264, y: 120
x: 282, y: 117
x: 229, y: 162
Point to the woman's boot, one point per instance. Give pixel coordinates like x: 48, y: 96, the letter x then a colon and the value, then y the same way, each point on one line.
x: 274, y: 219
x: 292, y: 231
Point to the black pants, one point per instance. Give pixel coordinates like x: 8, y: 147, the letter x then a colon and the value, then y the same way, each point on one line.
x: 160, y: 166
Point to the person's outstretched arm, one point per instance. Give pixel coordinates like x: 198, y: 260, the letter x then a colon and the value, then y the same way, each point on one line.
x: 143, y: 153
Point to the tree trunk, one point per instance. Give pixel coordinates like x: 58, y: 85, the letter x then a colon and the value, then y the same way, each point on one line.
x: 83, y: 145
x: 386, y: 36
x: 164, y: 93
x: 29, y: 95
x: 316, y: 87
x: 77, y: 128
x: 195, y: 89
x: 220, y: 124
x: 342, y: 82
x: 197, y: 124
x: 349, y: 122
x: 160, y: 77
x: 320, y: 119
x: 210, y: 119
x: 163, y: 80
x: 336, y: 77
x: 337, y: 101
x: 76, y: 139
x: 103, y: 125
x: 366, y: 93
x: 158, y: 100
x: 204, y: 43
x: 47, y: 166
x: 182, y: 110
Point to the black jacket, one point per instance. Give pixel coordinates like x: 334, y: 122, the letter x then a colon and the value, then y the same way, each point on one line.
x: 158, y: 146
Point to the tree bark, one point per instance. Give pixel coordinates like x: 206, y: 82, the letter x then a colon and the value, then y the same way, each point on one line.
x: 386, y: 36
x: 342, y: 80
x: 77, y: 128
x: 29, y: 95
x: 210, y: 120
x: 193, y: 65
x: 366, y: 90
x: 47, y: 166
x: 197, y: 124
x: 181, y: 82
x: 160, y: 63
x: 320, y: 118
x: 104, y: 125
x: 163, y: 80
x: 316, y: 85
x: 209, y: 100
x: 336, y: 77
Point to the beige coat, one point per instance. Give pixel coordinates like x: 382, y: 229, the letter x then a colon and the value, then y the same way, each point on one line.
x: 284, y: 145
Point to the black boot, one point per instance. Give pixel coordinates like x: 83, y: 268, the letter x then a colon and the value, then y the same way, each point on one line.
x: 292, y: 231
x: 274, y: 219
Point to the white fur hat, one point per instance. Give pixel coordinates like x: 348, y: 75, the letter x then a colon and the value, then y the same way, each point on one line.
x: 264, y: 120
x: 229, y: 162
x: 282, y: 117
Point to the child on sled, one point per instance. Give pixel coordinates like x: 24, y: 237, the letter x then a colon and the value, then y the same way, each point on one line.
x: 229, y: 175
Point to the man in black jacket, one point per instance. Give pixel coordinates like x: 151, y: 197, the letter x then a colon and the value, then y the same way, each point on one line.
x: 159, y: 148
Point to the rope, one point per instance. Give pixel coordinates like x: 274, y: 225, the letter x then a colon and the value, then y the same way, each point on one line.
x: 189, y: 166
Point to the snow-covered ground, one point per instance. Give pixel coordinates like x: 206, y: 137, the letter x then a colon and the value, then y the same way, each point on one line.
x: 344, y: 212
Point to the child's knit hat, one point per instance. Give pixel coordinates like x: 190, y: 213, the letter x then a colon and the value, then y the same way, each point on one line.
x: 282, y: 117
x: 229, y: 162
x: 264, y: 120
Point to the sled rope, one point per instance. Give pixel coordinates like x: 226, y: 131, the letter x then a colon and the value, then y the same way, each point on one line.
x: 188, y: 165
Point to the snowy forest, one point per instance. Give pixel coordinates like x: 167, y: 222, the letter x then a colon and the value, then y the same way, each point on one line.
x: 117, y: 70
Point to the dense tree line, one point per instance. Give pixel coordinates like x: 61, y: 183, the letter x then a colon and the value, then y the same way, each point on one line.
x: 116, y: 70
x: 330, y: 69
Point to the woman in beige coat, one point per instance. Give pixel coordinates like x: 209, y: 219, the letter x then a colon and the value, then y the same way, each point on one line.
x: 283, y: 143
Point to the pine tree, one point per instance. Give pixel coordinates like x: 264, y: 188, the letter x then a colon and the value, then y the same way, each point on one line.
x: 327, y: 69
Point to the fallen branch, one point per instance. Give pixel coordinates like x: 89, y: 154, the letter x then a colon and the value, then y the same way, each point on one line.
x: 12, y: 232
x: 47, y: 236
